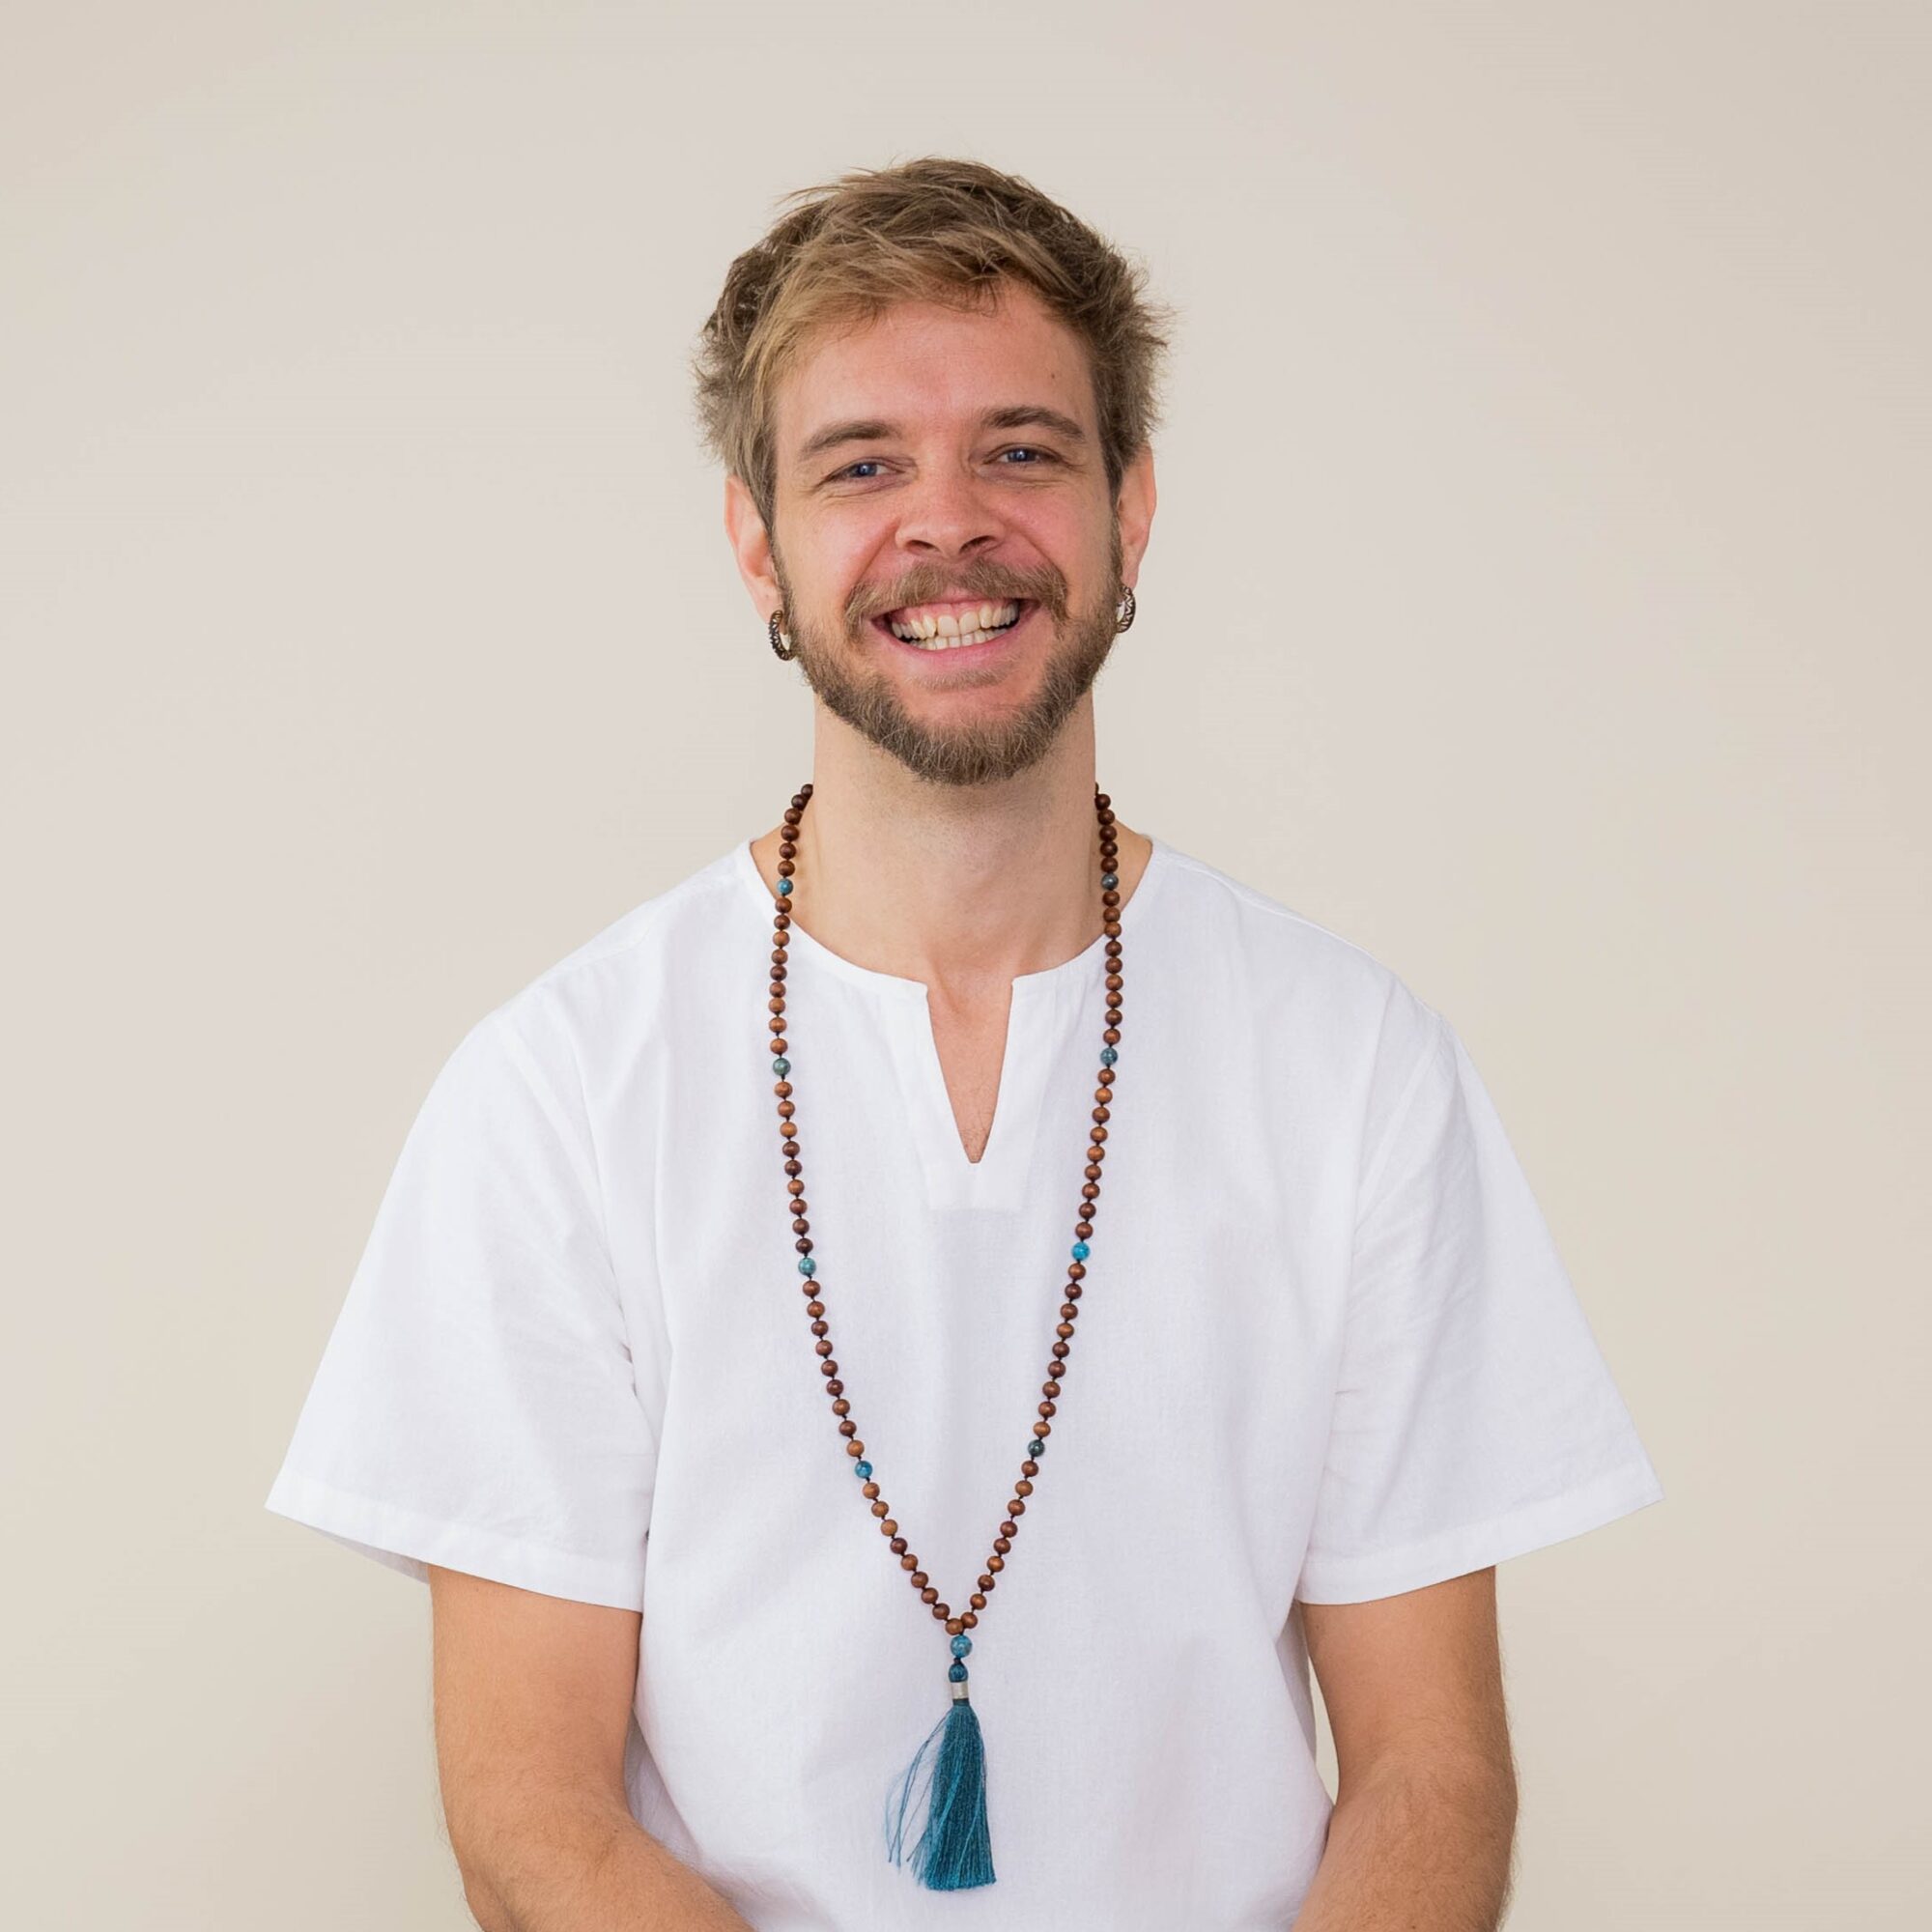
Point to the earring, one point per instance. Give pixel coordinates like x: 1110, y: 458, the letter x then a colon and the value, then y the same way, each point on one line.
x: 1124, y: 612
x: 775, y: 631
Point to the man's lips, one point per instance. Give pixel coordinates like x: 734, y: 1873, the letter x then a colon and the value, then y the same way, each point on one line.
x: 943, y: 646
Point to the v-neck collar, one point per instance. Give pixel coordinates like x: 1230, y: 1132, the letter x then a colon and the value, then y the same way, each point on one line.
x: 1042, y: 1004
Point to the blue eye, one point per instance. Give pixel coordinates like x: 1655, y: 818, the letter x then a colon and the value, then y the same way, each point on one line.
x: 860, y: 465
x: 1026, y: 449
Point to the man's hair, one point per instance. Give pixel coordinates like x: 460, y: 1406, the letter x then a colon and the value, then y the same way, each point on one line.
x: 928, y: 230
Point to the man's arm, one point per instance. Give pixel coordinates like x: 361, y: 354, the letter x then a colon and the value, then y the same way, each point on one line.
x: 533, y: 1697
x: 1425, y: 1803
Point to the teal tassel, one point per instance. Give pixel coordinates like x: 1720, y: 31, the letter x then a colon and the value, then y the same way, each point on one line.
x: 953, y: 1851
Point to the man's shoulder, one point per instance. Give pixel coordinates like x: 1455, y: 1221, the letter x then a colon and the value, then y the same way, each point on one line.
x: 601, y: 996
x: 1242, y: 943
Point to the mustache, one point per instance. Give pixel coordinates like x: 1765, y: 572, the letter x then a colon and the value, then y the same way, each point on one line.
x: 1044, y: 587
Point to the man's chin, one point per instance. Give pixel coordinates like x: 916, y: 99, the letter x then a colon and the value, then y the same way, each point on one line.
x: 966, y: 752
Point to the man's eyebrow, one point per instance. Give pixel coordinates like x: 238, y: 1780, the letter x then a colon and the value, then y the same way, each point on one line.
x: 1018, y: 415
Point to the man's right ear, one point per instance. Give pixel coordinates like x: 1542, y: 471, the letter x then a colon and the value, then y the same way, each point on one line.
x: 750, y: 547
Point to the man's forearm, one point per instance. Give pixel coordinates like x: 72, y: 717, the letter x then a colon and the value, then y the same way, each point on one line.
x: 1418, y: 1847
x: 581, y: 1864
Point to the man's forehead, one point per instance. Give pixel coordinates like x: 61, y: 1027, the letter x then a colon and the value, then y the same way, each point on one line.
x: 924, y: 365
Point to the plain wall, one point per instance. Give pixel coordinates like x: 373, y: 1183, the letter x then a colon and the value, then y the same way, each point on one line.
x: 1529, y: 600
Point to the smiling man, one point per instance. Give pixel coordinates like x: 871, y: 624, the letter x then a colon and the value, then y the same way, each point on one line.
x: 713, y: 1355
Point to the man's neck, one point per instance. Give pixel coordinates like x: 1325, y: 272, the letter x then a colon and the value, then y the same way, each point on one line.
x: 961, y: 889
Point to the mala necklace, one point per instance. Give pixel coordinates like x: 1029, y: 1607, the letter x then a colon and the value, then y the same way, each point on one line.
x: 953, y: 1851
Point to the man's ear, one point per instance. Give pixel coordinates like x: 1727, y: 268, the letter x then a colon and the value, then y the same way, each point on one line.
x: 1134, y: 506
x: 750, y: 547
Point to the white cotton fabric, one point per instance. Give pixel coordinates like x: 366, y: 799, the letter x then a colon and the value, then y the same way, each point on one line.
x: 1327, y: 1350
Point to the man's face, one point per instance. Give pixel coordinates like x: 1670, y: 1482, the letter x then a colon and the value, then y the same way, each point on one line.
x: 903, y: 498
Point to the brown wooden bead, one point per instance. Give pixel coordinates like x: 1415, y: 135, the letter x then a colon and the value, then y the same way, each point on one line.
x: 1003, y: 1544
x: 928, y: 1595
x: 967, y: 1620
x: 1023, y: 1488
x: 995, y: 1564
x: 920, y: 1579
x: 978, y: 1602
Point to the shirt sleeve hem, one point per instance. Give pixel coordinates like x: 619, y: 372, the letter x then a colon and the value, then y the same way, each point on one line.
x: 1386, y: 1573
x: 403, y: 1540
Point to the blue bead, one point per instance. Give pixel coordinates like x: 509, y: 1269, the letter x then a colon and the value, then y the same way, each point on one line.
x: 785, y: 889
x: 807, y: 1265
x: 863, y: 1470
x: 1080, y: 1251
x: 961, y: 1644
x: 781, y: 1067
x: 1108, y: 1056
x: 957, y: 1673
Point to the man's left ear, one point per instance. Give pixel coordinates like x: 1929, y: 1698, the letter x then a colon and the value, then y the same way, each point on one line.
x: 1134, y: 506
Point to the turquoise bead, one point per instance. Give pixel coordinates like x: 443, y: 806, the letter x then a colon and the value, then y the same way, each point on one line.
x: 1108, y: 1056
x: 961, y: 1644
x: 785, y: 889
x: 781, y: 1067
x: 957, y: 1673
x: 807, y: 1265
x: 1080, y: 1251
x: 863, y: 1470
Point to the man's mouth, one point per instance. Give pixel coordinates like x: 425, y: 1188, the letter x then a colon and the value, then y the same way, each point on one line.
x: 952, y: 626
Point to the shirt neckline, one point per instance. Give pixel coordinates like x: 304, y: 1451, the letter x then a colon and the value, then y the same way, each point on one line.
x: 897, y: 986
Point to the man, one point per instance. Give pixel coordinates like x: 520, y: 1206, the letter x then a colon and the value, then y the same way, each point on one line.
x: 871, y: 1078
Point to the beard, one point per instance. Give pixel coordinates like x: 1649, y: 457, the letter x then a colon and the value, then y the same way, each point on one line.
x: 981, y: 750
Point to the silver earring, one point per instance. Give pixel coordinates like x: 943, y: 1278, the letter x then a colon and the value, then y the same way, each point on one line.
x: 1123, y: 611
x: 775, y: 630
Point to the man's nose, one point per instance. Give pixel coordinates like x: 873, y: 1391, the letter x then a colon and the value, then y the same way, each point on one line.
x: 950, y: 513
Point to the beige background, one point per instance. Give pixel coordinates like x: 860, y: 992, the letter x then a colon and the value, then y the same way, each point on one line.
x: 1529, y: 600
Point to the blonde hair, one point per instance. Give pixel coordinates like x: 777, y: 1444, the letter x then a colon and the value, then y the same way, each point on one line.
x: 928, y: 230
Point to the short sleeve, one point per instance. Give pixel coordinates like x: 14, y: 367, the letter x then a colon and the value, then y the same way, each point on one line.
x: 1475, y: 1417
x: 476, y: 1406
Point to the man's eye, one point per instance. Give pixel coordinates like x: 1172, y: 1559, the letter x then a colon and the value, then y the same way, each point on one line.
x: 1027, y: 450
x: 863, y: 462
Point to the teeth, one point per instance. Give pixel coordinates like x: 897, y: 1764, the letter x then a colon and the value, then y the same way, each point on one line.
x: 967, y: 626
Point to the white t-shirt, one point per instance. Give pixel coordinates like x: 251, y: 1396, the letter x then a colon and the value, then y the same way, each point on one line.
x: 1327, y: 1350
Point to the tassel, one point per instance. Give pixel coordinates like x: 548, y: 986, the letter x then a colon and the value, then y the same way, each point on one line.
x: 953, y: 1851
